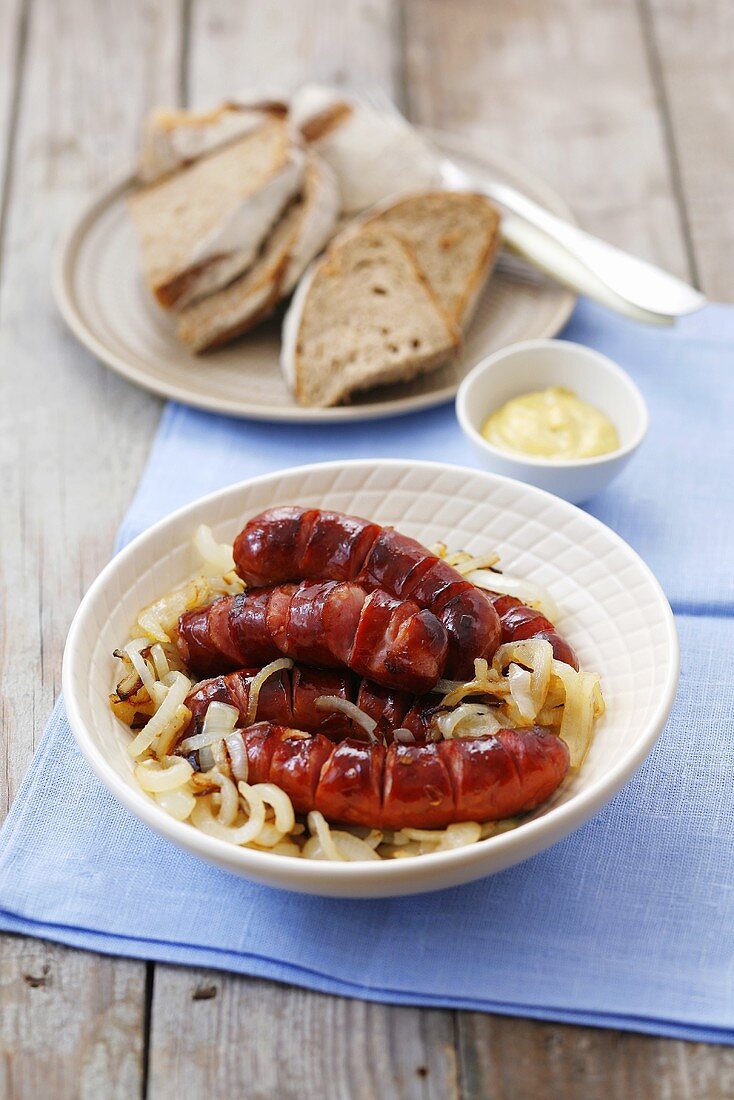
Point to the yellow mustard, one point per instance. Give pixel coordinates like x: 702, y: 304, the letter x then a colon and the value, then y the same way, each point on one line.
x: 552, y: 423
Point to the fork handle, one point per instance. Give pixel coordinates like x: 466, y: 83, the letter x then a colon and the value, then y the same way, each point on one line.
x: 645, y: 287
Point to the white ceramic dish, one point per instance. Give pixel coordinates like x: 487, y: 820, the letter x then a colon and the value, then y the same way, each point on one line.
x: 536, y: 365
x: 100, y: 293
x: 614, y: 613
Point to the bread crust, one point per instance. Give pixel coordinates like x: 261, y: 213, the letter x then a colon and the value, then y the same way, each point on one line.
x: 253, y: 296
x: 329, y: 266
x: 321, y: 124
x: 464, y: 307
x: 177, y: 137
x: 223, y: 247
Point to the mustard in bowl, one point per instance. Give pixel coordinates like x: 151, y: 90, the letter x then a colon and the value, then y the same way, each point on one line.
x: 551, y: 423
x: 554, y: 414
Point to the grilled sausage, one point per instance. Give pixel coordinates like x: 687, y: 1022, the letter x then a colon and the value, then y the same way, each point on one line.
x: 288, y: 698
x: 291, y: 544
x: 520, y: 622
x: 329, y: 624
x: 420, y: 786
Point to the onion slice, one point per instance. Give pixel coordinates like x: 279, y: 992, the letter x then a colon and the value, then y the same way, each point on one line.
x: 352, y: 848
x: 239, y: 763
x: 281, y: 804
x: 159, y: 619
x: 487, y: 681
x: 229, y: 801
x: 257, y: 683
x: 457, y: 835
x: 200, y: 741
x: 502, y: 584
x: 579, y: 710
x: 519, y: 681
x: 477, y: 720
x: 321, y: 835
x: 530, y: 663
x: 482, y: 563
x: 160, y: 660
x: 203, y: 819
x: 335, y: 702
x: 216, y: 554
x: 171, y: 714
x: 179, y: 803
x: 134, y: 651
x: 220, y: 718
x: 129, y: 678
x: 171, y: 773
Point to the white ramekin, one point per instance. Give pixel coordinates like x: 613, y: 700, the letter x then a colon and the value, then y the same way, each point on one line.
x: 535, y: 365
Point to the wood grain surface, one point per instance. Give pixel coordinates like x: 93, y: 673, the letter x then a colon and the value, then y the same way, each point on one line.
x: 625, y: 107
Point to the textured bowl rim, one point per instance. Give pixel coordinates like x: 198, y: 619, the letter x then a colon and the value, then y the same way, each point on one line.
x: 512, y: 847
x: 598, y: 361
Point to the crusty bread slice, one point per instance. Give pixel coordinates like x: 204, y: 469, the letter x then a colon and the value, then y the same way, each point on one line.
x: 301, y: 233
x: 455, y: 238
x: 362, y: 316
x: 374, y: 154
x: 175, y: 138
x: 202, y: 227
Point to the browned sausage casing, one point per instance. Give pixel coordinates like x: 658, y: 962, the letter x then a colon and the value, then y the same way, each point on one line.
x: 328, y: 624
x: 520, y: 622
x: 290, y: 543
x: 288, y: 698
x: 421, y: 786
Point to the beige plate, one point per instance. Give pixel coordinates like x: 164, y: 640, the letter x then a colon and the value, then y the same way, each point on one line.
x: 102, y: 297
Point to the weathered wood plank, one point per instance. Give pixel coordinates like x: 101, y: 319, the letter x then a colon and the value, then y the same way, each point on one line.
x: 73, y: 439
x: 565, y: 89
x: 505, y: 1058
x: 73, y: 436
x: 70, y: 1023
x: 280, y: 1041
x: 691, y: 50
x: 271, y: 1040
x: 12, y: 47
x: 279, y: 44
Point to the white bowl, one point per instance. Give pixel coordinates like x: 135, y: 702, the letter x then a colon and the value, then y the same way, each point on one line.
x: 614, y: 613
x: 535, y: 365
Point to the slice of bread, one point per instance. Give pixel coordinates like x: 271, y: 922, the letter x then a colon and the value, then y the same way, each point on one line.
x: 455, y: 238
x: 373, y: 154
x: 303, y: 230
x: 203, y: 226
x: 362, y: 316
x: 174, y: 138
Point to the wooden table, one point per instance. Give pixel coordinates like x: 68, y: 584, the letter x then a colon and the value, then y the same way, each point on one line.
x: 626, y: 106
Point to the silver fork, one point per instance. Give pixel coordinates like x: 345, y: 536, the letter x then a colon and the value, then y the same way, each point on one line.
x: 577, y: 258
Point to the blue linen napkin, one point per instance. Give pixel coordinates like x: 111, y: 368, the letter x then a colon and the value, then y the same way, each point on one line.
x: 627, y: 923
